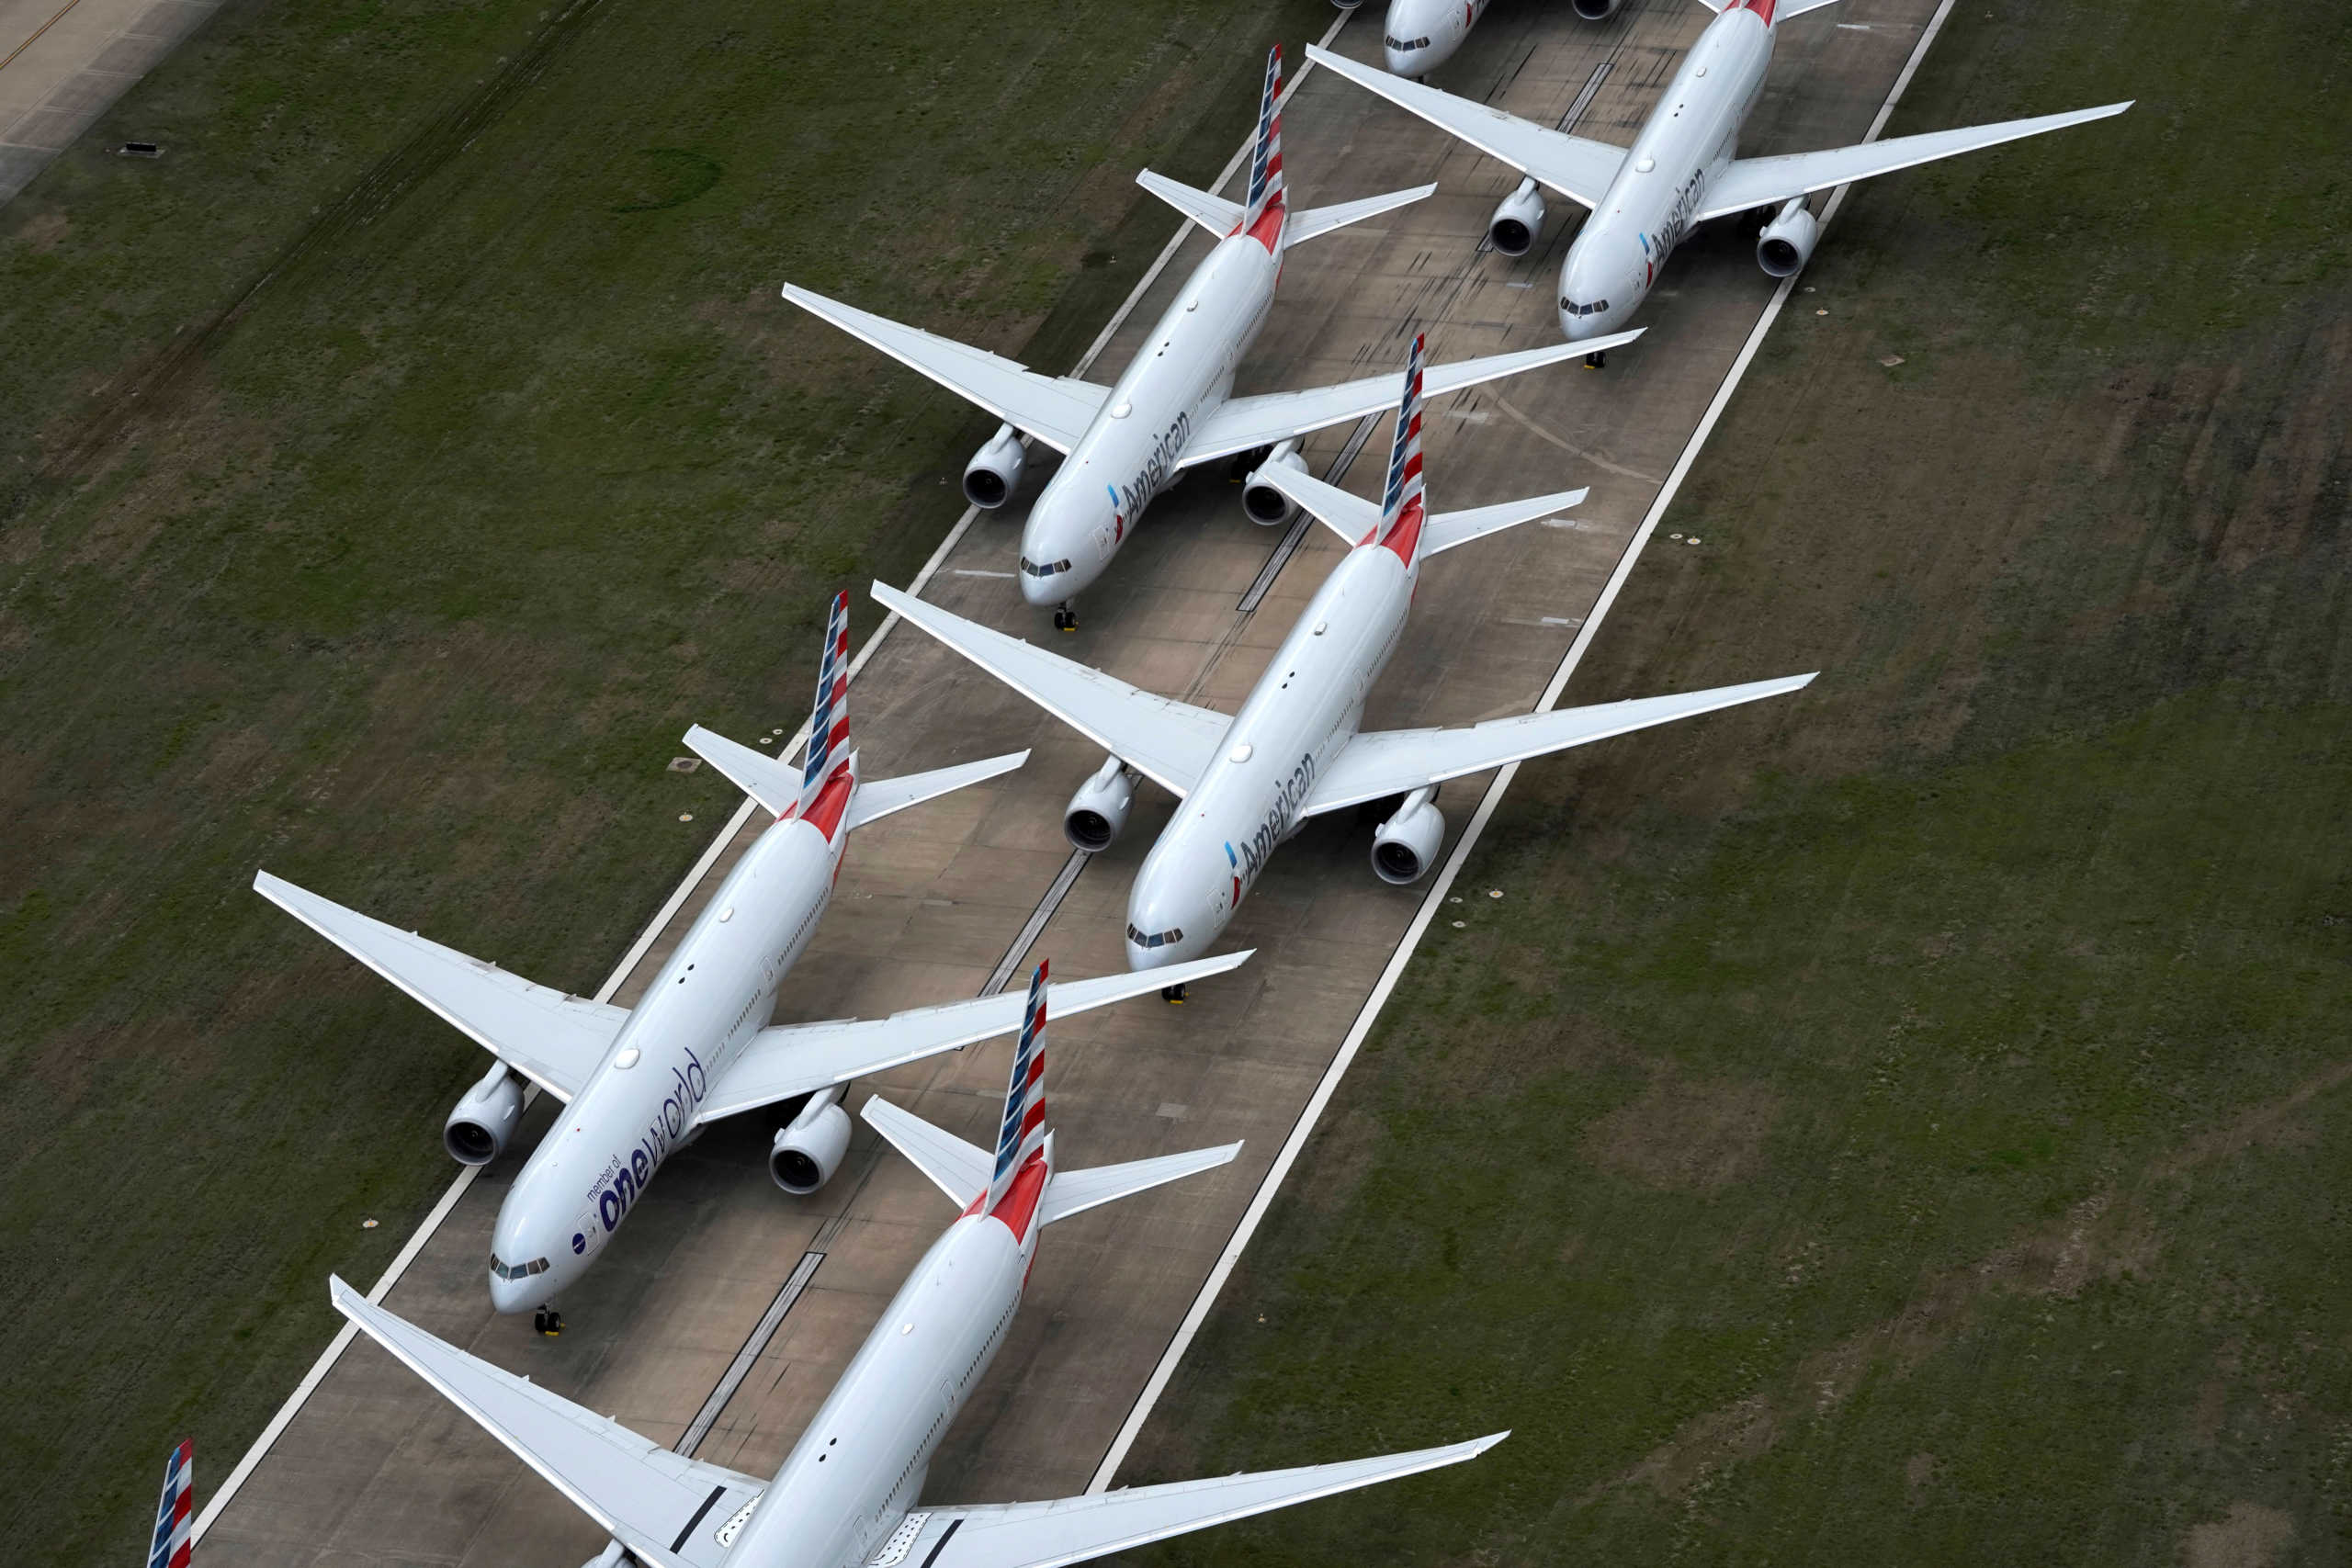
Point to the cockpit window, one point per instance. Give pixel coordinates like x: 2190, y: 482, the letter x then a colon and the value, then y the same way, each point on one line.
x: 1045, y: 569
x: 517, y: 1270
x: 1569, y: 307
x: 1405, y: 45
x: 1155, y: 939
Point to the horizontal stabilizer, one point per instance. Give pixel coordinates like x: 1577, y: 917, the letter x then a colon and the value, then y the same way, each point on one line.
x: 1349, y: 515
x: 1216, y: 214
x: 1576, y: 166
x: 1071, y: 1529
x: 1054, y: 408
x: 1168, y: 742
x: 1766, y: 182
x: 1243, y: 424
x: 1397, y: 762
x: 1075, y: 1191
x: 957, y: 1168
x: 786, y: 1059
x: 1448, y: 529
x: 1317, y: 221
x: 548, y: 1036
x: 664, y: 1507
x: 881, y: 797
x: 770, y: 781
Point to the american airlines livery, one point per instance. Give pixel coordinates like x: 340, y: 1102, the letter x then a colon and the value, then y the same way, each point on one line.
x: 850, y: 1492
x: 1682, y: 169
x: 1172, y: 408
x: 638, y: 1084
x: 1294, y: 752
x: 176, y: 1513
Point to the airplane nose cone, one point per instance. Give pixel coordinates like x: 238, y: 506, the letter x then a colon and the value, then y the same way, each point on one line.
x: 510, y: 1296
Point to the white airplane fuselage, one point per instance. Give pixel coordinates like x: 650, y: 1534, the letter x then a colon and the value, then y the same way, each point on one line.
x: 860, y: 1465
x: 716, y: 993
x: 1128, y: 455
x: 1304, y: 710
x: 1652, y: 205
x: 1422, y: 35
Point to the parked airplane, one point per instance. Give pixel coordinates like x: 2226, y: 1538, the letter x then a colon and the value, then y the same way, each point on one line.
x: 1421, y: 35
x: 638, y: 1084
x: 1682, y: 169
x: 848, y: 1491
x: 1294, y: 752
x: 1172, y: 408
x: 176, y: 1513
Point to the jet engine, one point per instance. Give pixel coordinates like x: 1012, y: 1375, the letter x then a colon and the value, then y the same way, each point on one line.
x: 1266, y: 505
x: 478, y: 1129
x: 1597, y: 10
x: 994, y: 470
x: 1406, y: 844
x: 1097, y: 811
x: 808, y: 1148
x: 1786, y: 242
x: 1517, y: 219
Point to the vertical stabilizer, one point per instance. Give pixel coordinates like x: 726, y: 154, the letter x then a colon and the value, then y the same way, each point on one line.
x: 1402, y: 512
x: 176, y: 1515
x: 1266, y: 157
x: 828, y: 722
x: 1024, y: 1127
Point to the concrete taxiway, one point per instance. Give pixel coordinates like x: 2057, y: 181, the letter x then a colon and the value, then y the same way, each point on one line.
x: 727, y: 1285
x: 63, y: 63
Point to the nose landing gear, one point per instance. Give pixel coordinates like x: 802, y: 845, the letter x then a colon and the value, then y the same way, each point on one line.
x: 1595, y: 361
x: 1172, y: 995
x: 548, y: 1321
x: 1066, y: 617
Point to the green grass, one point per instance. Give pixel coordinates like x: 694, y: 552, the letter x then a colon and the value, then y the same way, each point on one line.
x: 1911, y: 1125
x: 388, y: 476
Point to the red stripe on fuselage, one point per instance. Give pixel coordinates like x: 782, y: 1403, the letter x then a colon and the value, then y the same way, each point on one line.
x: 1018, y: 1207
x: 1268, y: 230
x: 1405, y: 536
x: 1763, y: 9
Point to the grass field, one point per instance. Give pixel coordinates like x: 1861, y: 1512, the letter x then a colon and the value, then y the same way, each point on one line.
x: 1914, y: 1125
x: 388, y: 477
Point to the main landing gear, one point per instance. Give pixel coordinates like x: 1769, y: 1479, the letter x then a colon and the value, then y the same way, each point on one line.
x: 1172, y: 995
x: 548, y: 1321
x: 1596, y: 361
x: 1066, y: 617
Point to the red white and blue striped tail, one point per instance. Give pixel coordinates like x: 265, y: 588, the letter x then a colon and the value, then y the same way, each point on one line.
x: 829, y: 724
x: 1266, y: 157
x: 1402, y: 512
x: 1023, y: 1128
x: 176, y: 1515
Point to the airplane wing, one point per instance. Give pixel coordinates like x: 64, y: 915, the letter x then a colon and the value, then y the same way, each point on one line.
x: 1168, y: 742
x: 1243, y: 424
x: 1397, y: 762
x: 1764, y: 182
x: 1576, y: 166
x: 1071, y: 1529
x: 551, y: 1037
x: 1354, y: 518
x: 664, y: 1507
x: 1054, y: 408
x: 786, y: 1059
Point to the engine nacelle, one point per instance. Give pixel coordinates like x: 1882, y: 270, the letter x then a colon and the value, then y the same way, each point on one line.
x: 1518, y: 219
x: 809, y: 1147
x: 1786, y: 242
x: 1266, y: 505
x: 478, y: 1129
x: 1098, y: 812
x: 995, y: 469
x: 1406, y: 846
x: 1597, y: 10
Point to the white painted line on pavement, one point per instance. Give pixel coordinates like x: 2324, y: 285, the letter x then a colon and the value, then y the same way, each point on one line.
x: 1263, y: 1199
x: 441, y: 1211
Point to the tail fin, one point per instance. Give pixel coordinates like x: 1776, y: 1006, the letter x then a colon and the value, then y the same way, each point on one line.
x: 1024, y: 1127
x: 828, y: 722
x: 1401, y: 509
x: 176, y: 1515
x: 1266, y: 158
